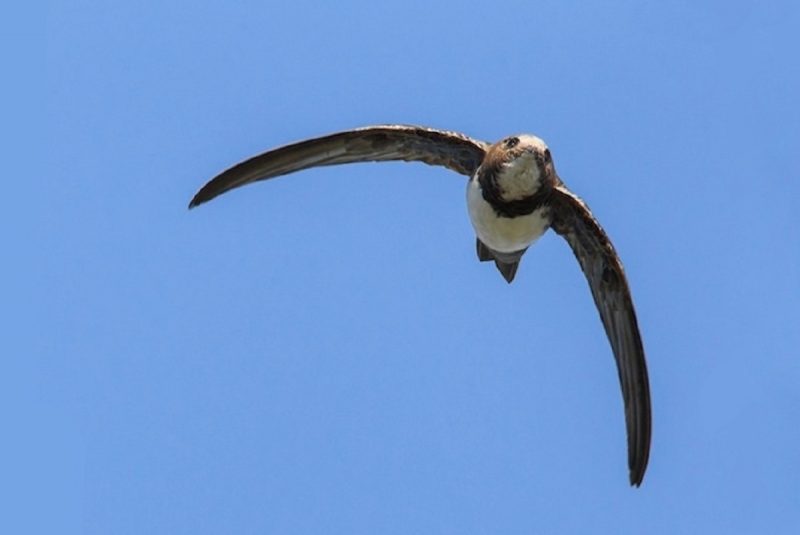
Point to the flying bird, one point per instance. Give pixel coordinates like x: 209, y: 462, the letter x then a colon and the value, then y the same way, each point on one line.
x: 513, y: 196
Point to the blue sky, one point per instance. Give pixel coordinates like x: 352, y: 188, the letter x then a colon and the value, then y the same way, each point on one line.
x: 323, y: 353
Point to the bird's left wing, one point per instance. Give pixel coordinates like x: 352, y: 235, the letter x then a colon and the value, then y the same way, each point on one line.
x: 573, y: 220
x: 369, y: 144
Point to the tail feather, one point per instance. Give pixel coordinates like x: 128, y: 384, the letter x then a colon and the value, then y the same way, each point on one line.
x: 507, y: 263
x: 484, y: 253
x: 507, y: 270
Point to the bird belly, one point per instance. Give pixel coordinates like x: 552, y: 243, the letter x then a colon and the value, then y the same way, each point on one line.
x: 504, y: 234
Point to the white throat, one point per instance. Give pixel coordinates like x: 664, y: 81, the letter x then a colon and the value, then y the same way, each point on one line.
x: 519, y: 178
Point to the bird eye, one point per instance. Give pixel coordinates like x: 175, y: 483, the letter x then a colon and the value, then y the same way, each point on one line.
x: 511, y: 142
x: 547, y: 156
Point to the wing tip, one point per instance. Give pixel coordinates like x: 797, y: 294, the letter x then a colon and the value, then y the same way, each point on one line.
x: 637, y: 469
x: 202, y: 196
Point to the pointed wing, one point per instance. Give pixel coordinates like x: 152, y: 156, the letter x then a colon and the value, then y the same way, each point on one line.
x: 573, y: 220
x: 369, y: 144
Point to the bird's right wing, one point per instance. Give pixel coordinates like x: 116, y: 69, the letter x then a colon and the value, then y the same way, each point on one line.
x: 369, y: 144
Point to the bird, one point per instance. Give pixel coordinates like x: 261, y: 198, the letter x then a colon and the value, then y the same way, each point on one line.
x: 513, y: 196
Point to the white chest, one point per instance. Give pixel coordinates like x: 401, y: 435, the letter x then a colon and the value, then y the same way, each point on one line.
x: 503, y: 234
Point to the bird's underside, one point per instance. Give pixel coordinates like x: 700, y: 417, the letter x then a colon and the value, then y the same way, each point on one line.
x: 510, y: 180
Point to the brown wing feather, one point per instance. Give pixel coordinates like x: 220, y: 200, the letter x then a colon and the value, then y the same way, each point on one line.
x: 369, y: 144
x: 573, y: 220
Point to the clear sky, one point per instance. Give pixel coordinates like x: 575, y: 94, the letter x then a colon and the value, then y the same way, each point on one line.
x: 323, y: 353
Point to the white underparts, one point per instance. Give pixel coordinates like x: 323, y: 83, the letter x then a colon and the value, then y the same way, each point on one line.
x: 504, y: 234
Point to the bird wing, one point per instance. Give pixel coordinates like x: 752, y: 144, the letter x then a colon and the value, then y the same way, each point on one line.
x: 369, y: 144
x: 573, y: 220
